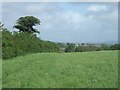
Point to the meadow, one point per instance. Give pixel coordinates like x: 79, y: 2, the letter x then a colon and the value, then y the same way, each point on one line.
x: 96, y: 69
x: 0, y: 74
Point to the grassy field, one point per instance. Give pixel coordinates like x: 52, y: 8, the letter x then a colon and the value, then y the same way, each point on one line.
x: 0, y: 74
x: 61, y: 70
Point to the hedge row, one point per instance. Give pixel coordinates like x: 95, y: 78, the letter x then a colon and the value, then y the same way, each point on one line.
x: 21, y: 43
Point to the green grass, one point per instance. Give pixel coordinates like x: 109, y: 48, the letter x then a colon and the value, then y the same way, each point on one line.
x: 62, y: 70
x: 0, y: 73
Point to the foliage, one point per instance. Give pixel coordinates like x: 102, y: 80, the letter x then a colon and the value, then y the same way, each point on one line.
x: 105, y: 47
x: 1, y: 74
x: 21, y: 43
x: 115, y: 47
x: 25, y: 41
x: 25, y: 24
x: 64, y: 70
x: 70, y: 47
x: 1, y: 27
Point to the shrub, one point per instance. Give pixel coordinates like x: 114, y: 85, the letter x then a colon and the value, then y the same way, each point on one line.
x: 21, y: 43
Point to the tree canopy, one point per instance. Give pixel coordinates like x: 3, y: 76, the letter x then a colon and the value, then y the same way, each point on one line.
x: 25, y: 24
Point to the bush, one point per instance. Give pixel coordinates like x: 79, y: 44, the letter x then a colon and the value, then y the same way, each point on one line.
x: 21, y: 43
x: 115, y: 47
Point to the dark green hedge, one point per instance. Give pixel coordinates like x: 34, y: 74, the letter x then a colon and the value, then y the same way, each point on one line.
x: 21, y: 43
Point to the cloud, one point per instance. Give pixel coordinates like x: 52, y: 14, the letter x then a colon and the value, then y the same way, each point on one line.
x: 64, y: 22
x: 97, y: 8
x: 0, y: 12
x: 108, y: 20
x: 33, y: 8
x: 72, y: 19
x: 42, y: 8
x: 77, y: 27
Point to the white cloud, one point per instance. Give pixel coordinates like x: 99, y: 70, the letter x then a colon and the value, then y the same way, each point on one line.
x: 33, y: 8
x: 75, y: 20
x: 97, y: 8
x: 59, y: 24
x: 66, y: 21
x: 109, y: 19
x: 0, y: 12
x: 73, y: 17
x: 44, y: 8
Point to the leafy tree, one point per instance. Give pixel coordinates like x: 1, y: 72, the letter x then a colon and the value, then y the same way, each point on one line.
x: 70, y: 47
x: 16, y: 44
x: 25, y: 24
x: 115, y: 47
x: 83, y: 44
x: 105, y: 47
x: 1, y: 27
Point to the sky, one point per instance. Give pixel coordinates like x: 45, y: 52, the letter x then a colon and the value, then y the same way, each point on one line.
x: 67, y: 21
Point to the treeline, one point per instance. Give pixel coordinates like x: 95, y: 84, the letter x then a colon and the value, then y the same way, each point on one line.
x: 71, y: 47
x: 21, y: 43
x: 25, y: 40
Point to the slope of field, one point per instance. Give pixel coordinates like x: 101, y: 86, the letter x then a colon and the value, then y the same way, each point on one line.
x: 0, y: 73
x: 61, y: 70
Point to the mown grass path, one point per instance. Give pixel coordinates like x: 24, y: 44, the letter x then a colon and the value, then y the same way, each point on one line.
x: 61, y: 70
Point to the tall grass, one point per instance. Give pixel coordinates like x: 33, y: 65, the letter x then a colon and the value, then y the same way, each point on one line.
x: 62, y: 70
x: 0, y: 74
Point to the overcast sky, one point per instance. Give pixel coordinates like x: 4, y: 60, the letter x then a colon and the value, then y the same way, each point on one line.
x: 67, y: 21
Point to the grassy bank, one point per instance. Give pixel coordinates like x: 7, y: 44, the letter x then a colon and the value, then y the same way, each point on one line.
x: 60, y: 70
